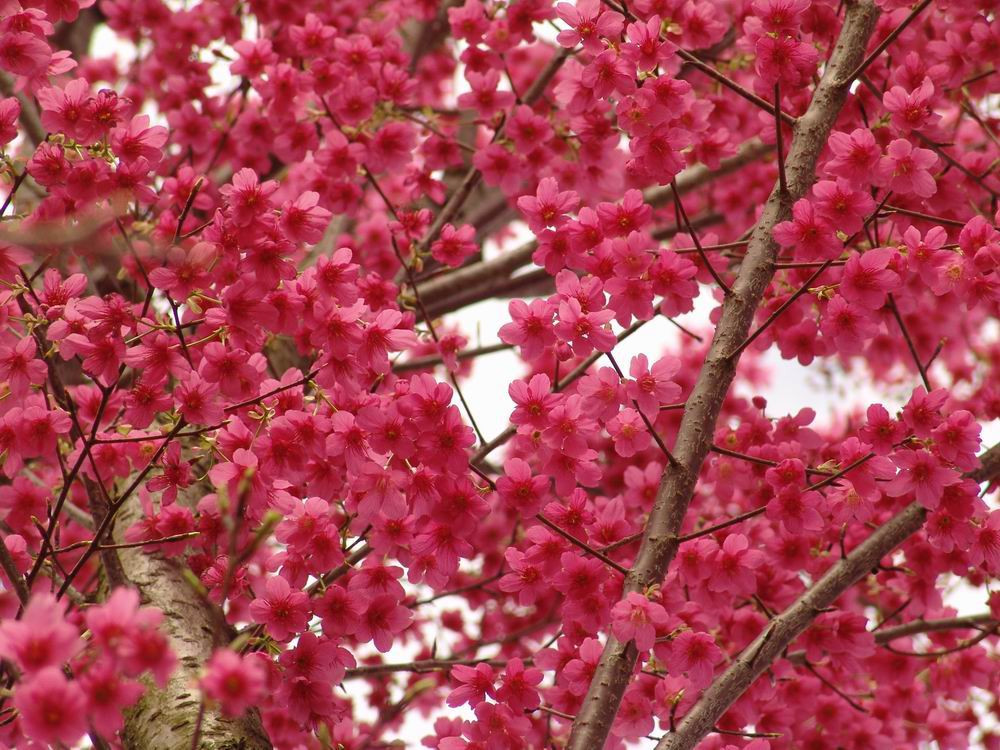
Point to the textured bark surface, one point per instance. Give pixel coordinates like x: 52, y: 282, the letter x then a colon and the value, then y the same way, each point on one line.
x: 165, y: 719
x: 660, y: 540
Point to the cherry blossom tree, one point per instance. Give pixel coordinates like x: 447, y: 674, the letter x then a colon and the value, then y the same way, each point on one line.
x: 245, y: 500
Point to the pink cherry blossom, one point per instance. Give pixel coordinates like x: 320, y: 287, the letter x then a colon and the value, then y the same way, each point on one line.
x: 270, y: 278
x: 906, y: 169
x: 381, y: 621
x: 911, y: 110
x: 454, y: 245
x: 867, y: 278
x: 842, y: 206
x: 856, y: 155
x: 108, y: 695
x: 19, y: 367
x: 733, y: 566
x: 235, y: 682
x: 41, y: 638
x: 784, y: 60
x: 921, y: 473
x: 985, y: 549
x: 589, y: 21
x: 810, y: 234
x: 282, y: 610
x: 52, y: 709
x: 519, y: 488
x: 652, y: 387
x: 694, y: 654
x: 584, y: 331
x: 548, y: 206
x: 636, y: 618
x: 248, y: 198
x: 517, y: 686
x: 629, y: 432
x: 477, y: 683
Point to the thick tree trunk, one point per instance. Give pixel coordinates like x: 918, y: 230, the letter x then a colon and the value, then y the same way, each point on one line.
x: 166, y: 719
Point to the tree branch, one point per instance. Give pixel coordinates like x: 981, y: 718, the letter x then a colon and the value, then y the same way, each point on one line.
x: 167, y: 718
x: 472, y: 177
x: 791, y: 623
x: 970, y: 622
x: 431, y: 361
x: 884, y: 45
x: 477, y: 281
x: 420, y: 666
x: 13, y: 574
x: 660, y: 541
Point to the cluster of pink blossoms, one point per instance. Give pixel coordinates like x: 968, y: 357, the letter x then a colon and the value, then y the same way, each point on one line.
x: 124, y: 644
x: 224, y: 264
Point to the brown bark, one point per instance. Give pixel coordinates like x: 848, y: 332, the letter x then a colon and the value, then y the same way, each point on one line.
x: 660, y: 540
x: 916, y: 627
x: 478, y: 281
x: 30, y: 119
x: 77, y: 35
x: 166, y: 718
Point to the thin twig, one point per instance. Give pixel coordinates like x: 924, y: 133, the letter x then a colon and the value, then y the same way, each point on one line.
x: 425, y: 363
x: 732, y: 85
x: 847, y: 699
x: 888, y: 40
x: 914, y: 627
x: 909, y: 343
x: 781, y: 309
x: 129, y: 545
x: 760, y: 461
x: 920, y: 215
x: 422, y: 665
x: 13, y: 190
x: 649, y: 425
x: 841, y: 472
x: 582, y: 545
x: 961, y: 646
x: 460, y: 590
x: 694, y: 238
x: 13, y: 574
x: 749, y: 735
x: 722, y: 525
